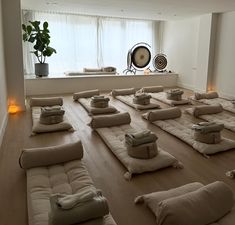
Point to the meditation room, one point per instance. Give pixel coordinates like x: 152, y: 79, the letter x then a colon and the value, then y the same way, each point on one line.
x: 118, y: 112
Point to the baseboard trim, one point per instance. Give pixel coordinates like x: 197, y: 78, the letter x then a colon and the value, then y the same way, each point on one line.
x: 3, y: 128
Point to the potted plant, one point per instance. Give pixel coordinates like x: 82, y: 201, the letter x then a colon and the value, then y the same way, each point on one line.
x: 41, y: 40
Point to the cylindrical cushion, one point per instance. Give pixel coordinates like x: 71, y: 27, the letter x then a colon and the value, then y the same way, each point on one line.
x: 209, y: 95
x: 37, y: 157
x: 201, y: 207
x: 144, y: 151
x: 207, y: 109
x: 164, y: 114
x: 152, y: 89
x: 126, y: 91
x: 208, y: 138
x: 85, y: 94
x: 110, y: 120
x: 46, y: 101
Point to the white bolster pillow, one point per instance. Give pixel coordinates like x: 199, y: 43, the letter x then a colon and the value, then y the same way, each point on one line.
x: 37, y: 157
x: 201, y: 207
x: 126, y: 91
x: 207, y: 109
x: 85, y: 94
x: 152, y: 89
x: 163, y: 114
x: 110, y: 120
x: 209, y: 95
x: 46, y: 101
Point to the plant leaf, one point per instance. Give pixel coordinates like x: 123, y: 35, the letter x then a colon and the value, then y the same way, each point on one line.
x: 24, y: 27
x: 29, y: 29
x: 45, y: 25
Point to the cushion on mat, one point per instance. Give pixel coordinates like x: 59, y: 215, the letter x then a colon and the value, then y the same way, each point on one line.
x: 206, y: 109
x: 126, y: 91
x: 152, y: 89
x: 163, y: 114
x: 201, y: 207
x: 209, y: 95
x: 110, y: 120
x: 45, y: 101
x: 85, y: 94
x: 36, y: 157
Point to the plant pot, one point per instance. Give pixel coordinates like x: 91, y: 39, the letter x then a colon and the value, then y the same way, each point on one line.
x: 41, y: 69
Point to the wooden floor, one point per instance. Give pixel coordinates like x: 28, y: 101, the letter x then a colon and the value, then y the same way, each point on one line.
x: 105, y: 170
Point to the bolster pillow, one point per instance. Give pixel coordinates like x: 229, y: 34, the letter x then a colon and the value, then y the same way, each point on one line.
x: 207, y: 109
x: 126, y: 91
x: 37, y: 157
x: 85, y: 94
x: 46, y: 101
x: 201, y: 207
x: 92, y: 70
x: 152, y: 89
x: 110, y: 120
x: 163, y: 114
x: 209, y: 95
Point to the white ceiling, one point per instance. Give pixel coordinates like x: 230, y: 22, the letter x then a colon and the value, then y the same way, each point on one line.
x: 142, y: 9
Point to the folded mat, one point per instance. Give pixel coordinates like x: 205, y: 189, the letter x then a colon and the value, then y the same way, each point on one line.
x: 161, y: 96
x: 181, y: 128
x: 193, y: 204
x: 59, y: 170
x: 114, y: 137
x: 220, y: 117
x: 213, y: 99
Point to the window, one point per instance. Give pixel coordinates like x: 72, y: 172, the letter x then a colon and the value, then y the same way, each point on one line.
x: 88, y: 41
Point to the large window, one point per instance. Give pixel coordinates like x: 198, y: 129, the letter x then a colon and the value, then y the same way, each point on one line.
x: 88, y: 41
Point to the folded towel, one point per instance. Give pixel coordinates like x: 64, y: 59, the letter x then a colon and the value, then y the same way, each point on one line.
x: 140, y: 134
x: 145, y: 101
x: 94, y: 208
x: 139, y: 95
x: 174, y: 92
x: 208, y: 138
x: 132, y: 141
x: 101, y: 104
x: 52, y: 111
x: 144, y: 151
x: 70, y: 201
x: 49, y: 120
x: 208, y: 127
x: 209, y: 95
x: 95, y: 99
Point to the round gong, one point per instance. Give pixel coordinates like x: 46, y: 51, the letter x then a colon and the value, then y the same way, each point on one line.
x: 141, y: 56
x: 160, y: 62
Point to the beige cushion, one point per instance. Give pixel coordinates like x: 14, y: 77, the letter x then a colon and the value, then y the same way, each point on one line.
x: 201, y: 207
x: 46, y: 101
x: 152, y: 89
x: 85, y: 94
x: 209, y: 95
x: 126, y: 91
x: 206, y: 109
x: 36, y: 157
x: 163, y: 114
x: 110, y: 120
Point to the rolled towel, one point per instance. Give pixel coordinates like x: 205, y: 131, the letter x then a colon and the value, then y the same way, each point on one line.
x: 152, y: 89
x: 98, y: 99
x: 126, y: 91
x: 91, y: 209
x: 208, y: 138
x: 144, y: 151
x: 207, y: 109
x: 201, y: 207
x: 69, y: 201
x: 132, y: 141
x: 52, y: 111
x: 49, y: 120
x: 163, y: 114
x: 209, y: 95
x: 208, y: 127
x: 85, y: 94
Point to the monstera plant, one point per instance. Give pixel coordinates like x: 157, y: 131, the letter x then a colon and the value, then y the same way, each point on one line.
x: 40, y: 39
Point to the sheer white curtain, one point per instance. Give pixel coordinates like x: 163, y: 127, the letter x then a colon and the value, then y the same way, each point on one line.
x: 88, y: 41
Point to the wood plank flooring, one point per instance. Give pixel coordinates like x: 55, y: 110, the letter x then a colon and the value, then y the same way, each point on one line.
x: 104, y: 168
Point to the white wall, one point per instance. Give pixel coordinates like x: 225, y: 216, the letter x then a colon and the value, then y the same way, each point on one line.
x: 3, y: 91
x: 224, y: 64
x: 13, y: 52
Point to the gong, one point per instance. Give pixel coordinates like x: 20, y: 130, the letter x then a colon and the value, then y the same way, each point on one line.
x: 160, y: 62
x: 141, y: 57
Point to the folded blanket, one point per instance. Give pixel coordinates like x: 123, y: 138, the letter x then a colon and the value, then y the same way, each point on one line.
x: 201, y: 207
x: 69, y: 201
x: 209, y: 95
x: 45, y: 101
x: 174, y: 92
x: 99, y: 104
x: 208, y: 138
x: 144, y: 151
x: 141, y: 99
x: 152, y: 89
x: 132, y: 141
x: 207, y: 109
x: 208, y: 127
x: 91, y: 209
x: 99, y: 98
x: 52, y: 111
x: 49, y: 120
